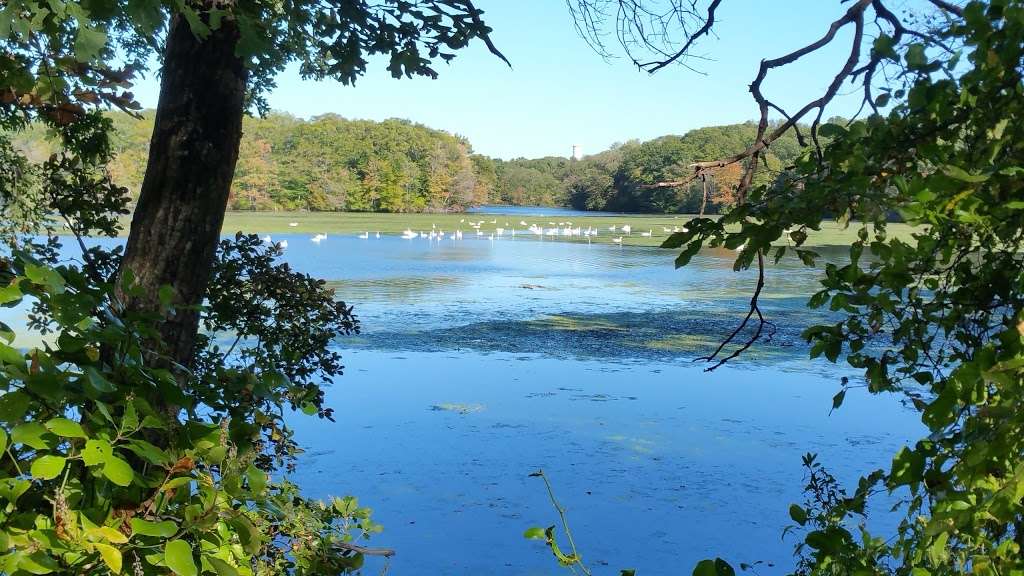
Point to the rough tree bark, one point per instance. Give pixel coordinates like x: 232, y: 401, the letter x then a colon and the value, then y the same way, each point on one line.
x: 184, y: 194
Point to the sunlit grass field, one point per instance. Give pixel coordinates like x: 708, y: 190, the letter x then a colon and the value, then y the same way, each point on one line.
x: 831, y: 234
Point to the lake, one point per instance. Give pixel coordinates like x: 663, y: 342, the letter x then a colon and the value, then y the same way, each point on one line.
x: 482, y: 361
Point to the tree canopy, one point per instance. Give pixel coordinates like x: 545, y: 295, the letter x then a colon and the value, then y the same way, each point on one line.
x: 329, y: 163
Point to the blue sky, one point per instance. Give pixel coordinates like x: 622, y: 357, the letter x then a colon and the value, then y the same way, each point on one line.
x: 559, y: 92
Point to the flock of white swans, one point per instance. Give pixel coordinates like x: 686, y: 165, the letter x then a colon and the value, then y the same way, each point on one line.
x: 554, y: 229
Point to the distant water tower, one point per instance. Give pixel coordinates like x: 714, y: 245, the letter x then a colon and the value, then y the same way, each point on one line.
x: 577, y: 152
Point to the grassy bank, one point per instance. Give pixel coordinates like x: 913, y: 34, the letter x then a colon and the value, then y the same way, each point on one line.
x: 359, y: 222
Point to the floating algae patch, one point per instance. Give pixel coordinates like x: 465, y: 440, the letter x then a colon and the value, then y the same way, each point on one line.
x: 389, y: 289
x: 457, y: 408
x: 667, y: 335
x: 575, y: 323
x: 683, y: 342
x: 638, y: 445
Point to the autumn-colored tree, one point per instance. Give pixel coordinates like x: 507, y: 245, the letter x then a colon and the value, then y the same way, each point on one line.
x: 725, y: 181
x: 255, y: 177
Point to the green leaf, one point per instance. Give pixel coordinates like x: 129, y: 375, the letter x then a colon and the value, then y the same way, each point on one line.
x: 66, y: 428
x: 884, y: 46
x: 221, y: 567
x: 98, y: 381
x: 130, y: 419
x: 118, y: 471
x: 10, y: 293
x: 3, y: 440
x: 199, y: 28
x: 178, y: 482
x: 837, y: 400
x: 47, y: 467
x: 257, y: 479
x: 705, y: 568
x: 687, y: 254
x: 916, y: 57
x: 45, y: 276
x: 30, y: 434
x: 178, y: 557
x: 13, y: 405
x: 907, y: 467
x: 807, y: 256
x: 716, y: 567
x: 12, y: 488
x: 676, y: 239
x: 830, y: 131
x: 111, y: 556
x: 148, y: 452
x: 166, y: 295
x: 248, y: 535
x: 534, y: 533
x: 798, y: 514
x: 164, y: 529
x: 107, y: 533
x: 89, y: 43
x: 963, y: 175
x: 96, y: 451
x: 38, y: 563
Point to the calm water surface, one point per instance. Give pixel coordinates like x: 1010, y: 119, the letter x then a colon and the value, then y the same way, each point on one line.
x: 481, y: 361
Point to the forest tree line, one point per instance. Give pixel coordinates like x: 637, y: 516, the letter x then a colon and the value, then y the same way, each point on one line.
x: 329, y: 163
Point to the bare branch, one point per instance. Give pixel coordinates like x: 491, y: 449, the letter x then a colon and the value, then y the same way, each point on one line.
x: 638, y: 26
x: 755, y: 308
x: 385, y: 552
x: 948, y: 7
x: 709, y: 22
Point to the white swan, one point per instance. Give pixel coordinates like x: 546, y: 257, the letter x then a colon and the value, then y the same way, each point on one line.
x: 282, y: 244
x: 364, y: 235
x: 617, y: 240
x: 293, y: 224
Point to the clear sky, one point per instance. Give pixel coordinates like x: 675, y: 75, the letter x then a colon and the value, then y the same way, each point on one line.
x: 559, y: 92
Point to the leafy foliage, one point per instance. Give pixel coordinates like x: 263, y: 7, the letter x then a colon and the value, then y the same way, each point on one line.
x: 91, y: 50
x: 113, y: 459
x: 95, y: 477
x: 938, y: 320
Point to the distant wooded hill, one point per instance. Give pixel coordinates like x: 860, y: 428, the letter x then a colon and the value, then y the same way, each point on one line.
x: 331, y: 163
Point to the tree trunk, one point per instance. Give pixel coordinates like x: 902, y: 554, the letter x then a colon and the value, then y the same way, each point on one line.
x: 192, y: 155
x: 704, y: 194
